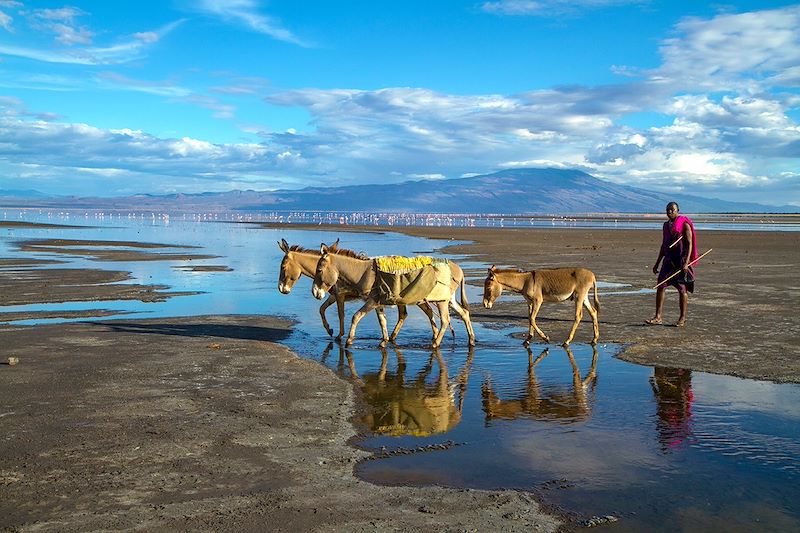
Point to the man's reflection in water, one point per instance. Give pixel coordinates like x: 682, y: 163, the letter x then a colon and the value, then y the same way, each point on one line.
x: 673, y: 390
x: 419, y: 406
x: 557, y: 403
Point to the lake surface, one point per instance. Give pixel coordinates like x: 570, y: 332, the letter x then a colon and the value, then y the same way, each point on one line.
x: 659, y: 448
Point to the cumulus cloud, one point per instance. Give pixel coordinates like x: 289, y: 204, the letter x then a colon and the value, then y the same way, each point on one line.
x: 60, y: 149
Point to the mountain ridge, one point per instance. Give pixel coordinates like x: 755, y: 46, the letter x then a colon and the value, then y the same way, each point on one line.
x: 527, y: 191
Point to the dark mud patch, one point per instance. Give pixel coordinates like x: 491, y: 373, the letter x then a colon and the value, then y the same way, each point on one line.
x: 101, y: 250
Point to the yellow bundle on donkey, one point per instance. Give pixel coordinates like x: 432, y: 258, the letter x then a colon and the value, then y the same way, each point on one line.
x: 407, y: 280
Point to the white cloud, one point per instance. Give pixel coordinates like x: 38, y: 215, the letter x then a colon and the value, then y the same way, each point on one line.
x: 432, y: 177
x: 62, y: 23
x: 549, y: 8
x: 123, y: 52
x: 5, y: 21
x: 245, y: 13
x: 732, y: 51
x: 67, y: 151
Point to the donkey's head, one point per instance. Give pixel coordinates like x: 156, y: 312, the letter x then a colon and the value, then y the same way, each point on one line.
x: 290, y: 269
x: 295, y: 264
x: 492, y: 288
x: 326, y: 274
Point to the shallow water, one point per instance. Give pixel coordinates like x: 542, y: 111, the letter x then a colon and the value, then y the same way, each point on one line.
x: 662, y: 449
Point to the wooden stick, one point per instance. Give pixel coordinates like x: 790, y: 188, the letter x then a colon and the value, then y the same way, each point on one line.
x: 681, y: 270
x: 676, y: 242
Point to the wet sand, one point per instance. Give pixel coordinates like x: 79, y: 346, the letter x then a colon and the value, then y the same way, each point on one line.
x: 200, y: 423
x: 209, y: 423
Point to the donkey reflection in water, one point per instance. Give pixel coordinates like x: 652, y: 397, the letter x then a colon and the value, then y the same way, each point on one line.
x: 298, y: 261
x: 545, y: 403
x: 539, y: 286
x: 360, y: 273
x: 414, y: 406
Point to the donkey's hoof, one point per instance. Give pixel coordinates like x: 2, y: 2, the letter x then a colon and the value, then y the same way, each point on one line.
x: 348, y: 342
x: 330, y: 332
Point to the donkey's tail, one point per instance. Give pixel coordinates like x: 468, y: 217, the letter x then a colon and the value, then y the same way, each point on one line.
x: 462, y: 285
x: 596, y: 299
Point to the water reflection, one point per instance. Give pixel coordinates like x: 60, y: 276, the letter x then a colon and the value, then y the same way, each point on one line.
x: 424, y: 404
x: 345, y: 362
x: 673, y: 390
x: 565, y: 405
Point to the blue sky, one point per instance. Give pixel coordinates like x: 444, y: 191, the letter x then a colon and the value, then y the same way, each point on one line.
x: 115, y: 98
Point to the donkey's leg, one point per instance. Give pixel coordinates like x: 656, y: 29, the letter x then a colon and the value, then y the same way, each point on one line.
x: 464, y: 314
x: 534, y: 307
x: 402, y: 313
x: 426, y: 308
x: 340, y: 298
x: 325, y: 305
x: 381, y: 314
x: 368, y: 306
x: 593, y: 313
x: 578, y: 316
x: 444, y: 313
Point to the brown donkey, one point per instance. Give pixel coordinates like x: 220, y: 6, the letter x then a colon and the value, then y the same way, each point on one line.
x: 298, y: 262
x: 539, y: 286
x: 359, y: 273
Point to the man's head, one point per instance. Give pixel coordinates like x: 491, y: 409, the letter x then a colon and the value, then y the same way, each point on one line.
x: 672, y: 210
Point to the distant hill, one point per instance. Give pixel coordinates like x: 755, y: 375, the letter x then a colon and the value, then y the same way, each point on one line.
x: 519, y: 191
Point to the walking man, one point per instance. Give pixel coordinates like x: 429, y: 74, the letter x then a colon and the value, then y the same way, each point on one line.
x: 678, y: 251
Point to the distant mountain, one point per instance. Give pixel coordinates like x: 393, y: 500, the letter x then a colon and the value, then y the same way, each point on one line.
x: 519, y: 191
x: 20, y: 193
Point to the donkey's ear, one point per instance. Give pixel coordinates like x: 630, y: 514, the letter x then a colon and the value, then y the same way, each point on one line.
x: 334, y: 246
x: 323, y: 249
x: 283, y: 245
x: 492, y: 269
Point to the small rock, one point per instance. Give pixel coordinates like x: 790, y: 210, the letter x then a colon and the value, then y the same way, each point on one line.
x: 600, y: 520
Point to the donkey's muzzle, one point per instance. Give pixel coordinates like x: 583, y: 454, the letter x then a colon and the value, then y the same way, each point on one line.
x: 318, y: 292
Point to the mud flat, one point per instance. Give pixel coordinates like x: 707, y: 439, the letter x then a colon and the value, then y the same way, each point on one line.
x: 201, y: 423
x: 210, y: 423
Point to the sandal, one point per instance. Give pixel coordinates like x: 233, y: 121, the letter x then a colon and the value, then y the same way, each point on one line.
x: 680, y: 323
x: 653, y: 321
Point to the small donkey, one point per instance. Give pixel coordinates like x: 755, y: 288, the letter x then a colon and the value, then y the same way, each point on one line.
x: 539, y: 286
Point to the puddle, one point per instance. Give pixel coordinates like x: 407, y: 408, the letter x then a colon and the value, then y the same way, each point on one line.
x: 662, y: 449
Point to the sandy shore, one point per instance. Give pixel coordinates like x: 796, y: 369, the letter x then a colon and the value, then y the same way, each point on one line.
x: 200, y: 424
x: 208, y: 423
